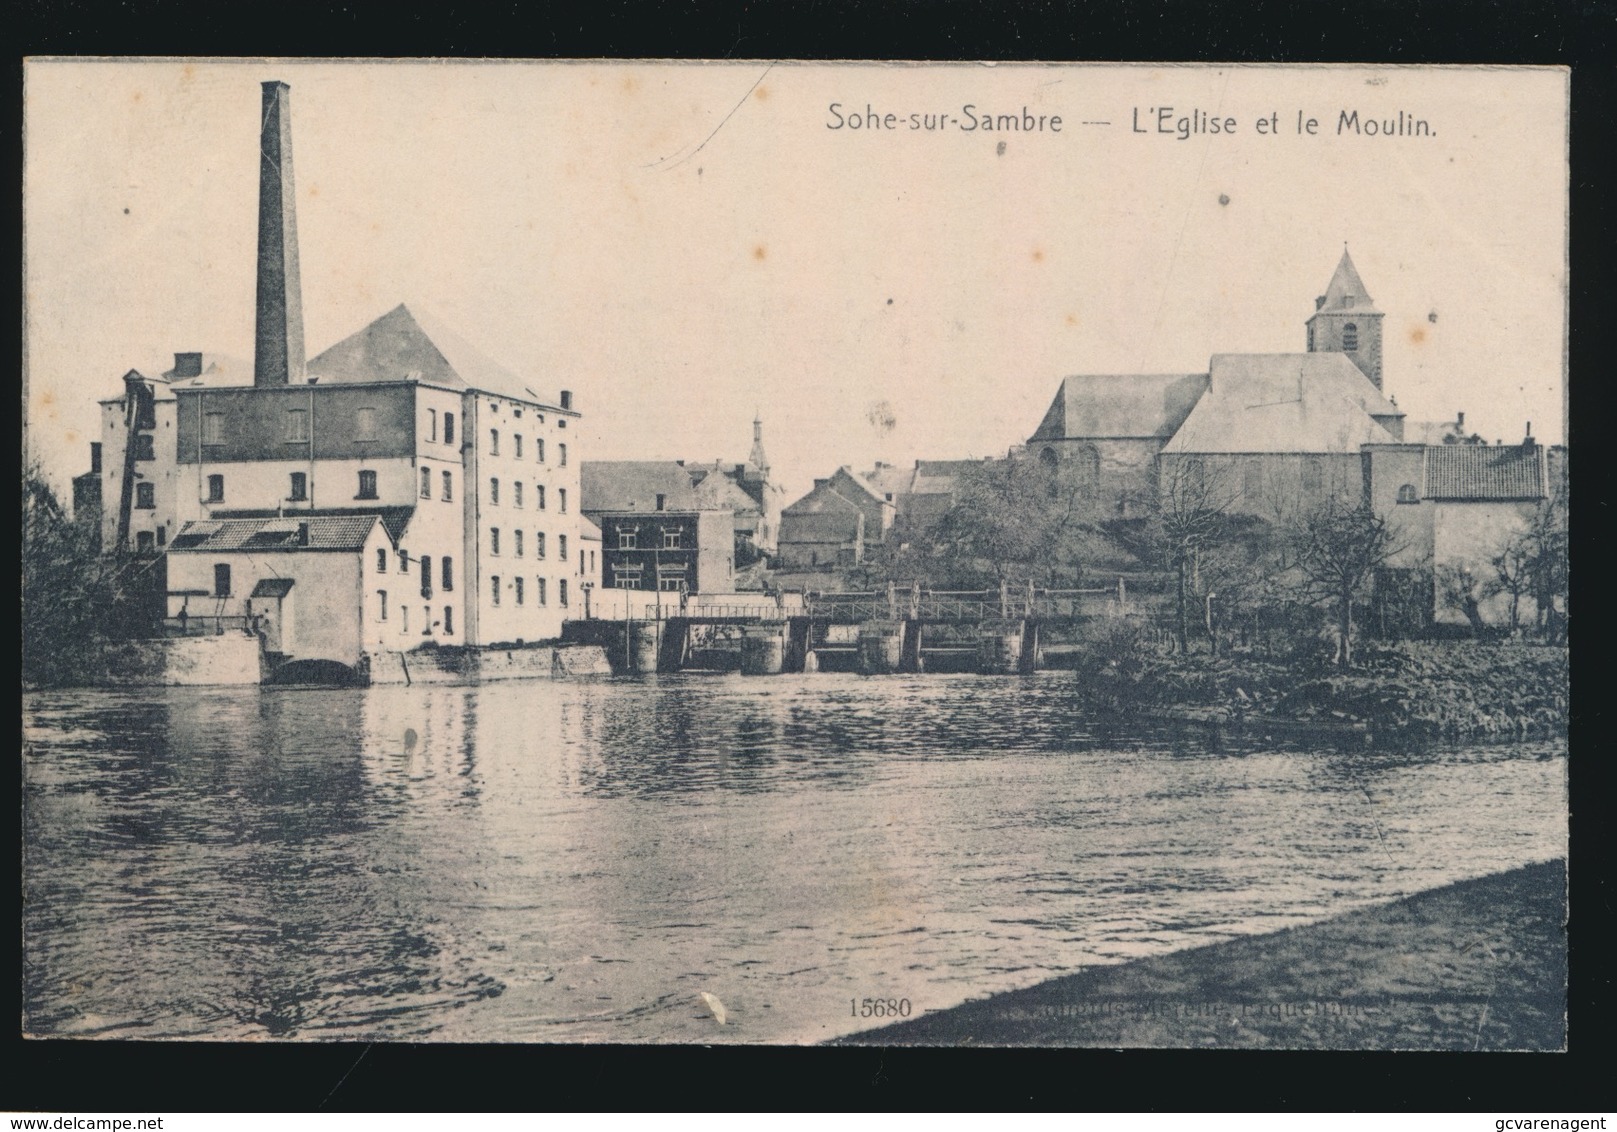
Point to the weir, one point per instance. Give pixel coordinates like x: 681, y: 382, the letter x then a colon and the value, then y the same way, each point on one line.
x: 899, y: 630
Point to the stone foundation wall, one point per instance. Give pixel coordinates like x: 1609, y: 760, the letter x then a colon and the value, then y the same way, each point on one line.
x: 233, y: 658
x: 474, y: 666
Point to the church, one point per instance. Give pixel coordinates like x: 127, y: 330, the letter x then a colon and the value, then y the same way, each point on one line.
x: 1272, y: 431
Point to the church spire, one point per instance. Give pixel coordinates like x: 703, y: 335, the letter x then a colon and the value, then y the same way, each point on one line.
x: 757, y: 458
x: 1346, y: 290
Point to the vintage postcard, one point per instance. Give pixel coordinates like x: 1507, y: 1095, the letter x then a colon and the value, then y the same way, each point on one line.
x: 787, y: 553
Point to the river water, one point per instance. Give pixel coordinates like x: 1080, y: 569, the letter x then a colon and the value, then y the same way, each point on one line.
x: 580, y: 860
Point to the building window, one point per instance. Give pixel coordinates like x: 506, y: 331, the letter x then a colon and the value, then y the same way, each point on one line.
x: 404, y: 561
x: 426, y: 483
x: 561, y: 458
x: 426, y: 575
x: 539, y: 449
x: 381, y: 598
x: 367, y: 485
x: 162, y: 535
x: 216, y: 489
x: 517, y: 582
x: 145, y: 496
x: 671, y: 540
x: 561, y: 550
x: 404, y: 618
x: 628, y: 540
x: 561, y: 592
x: 1310, y: 337
x: 143, y: 446
x: 661, y: 501
x: 221, y: 580
x: 670, y: 584
x: 449, y: 487
x: 299, y: 487
x: 365, y: 424
x: 1350, y: 337
x: 449, y: 574
x: 539, y: 591
x: 516, y: 494
x: 494, y: 492
x: 494, y: 588
x: 561, y: 500
x: 494, y: 540
x: 538, y: 544
x: 449, y: 428
x: 426, y: 620
x: 493, y: 442
x: 1408, y: 494
x: 145, y: 542
x: 516, y: 445
x: 381, y: 561
x: 432, y: 424
x: 213, y: 428
x: 296, y: 427
x: 449, y: 621
x: 516, y: 543
x: 539, y: 496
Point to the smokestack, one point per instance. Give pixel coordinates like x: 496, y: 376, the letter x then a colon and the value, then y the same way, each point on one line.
x: 278, y: 357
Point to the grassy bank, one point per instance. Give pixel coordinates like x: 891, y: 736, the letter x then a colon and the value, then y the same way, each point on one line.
x: 1476, y: 965
x: 1459, y: 690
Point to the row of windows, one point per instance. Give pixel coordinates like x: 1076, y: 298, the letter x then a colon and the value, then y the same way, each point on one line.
x: 448, y: 623
x: 432, y: 426
x: 295, y: 426
x: 297, y: 488
x: 516, y: 445
x: 517, y: 543
x: 517, y: 495
x: 630, y: 540
x: 518, y: 588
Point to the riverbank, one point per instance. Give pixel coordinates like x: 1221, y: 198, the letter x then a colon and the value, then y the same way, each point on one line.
x: 1425, y: 692
x: 1476, y: 965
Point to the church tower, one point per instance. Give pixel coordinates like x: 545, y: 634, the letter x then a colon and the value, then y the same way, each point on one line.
x: 757, y: 458
x: 1345, y: 321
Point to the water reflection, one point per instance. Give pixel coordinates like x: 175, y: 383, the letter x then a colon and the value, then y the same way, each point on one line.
x: 578, y: 860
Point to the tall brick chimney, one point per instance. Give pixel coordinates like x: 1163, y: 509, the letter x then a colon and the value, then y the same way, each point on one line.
x: 278, y: 357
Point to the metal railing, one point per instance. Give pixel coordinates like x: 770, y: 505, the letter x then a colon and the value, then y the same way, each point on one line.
x: 208, y: 625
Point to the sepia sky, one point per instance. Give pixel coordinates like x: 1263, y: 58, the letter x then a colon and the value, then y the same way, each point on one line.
x: 684, y: 244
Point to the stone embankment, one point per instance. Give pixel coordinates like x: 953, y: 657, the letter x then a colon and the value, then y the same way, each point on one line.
x: 1430, y: 692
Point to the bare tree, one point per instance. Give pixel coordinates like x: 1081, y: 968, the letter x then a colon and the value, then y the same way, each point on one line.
x: 1513, y: 572
x: 1336, y: 549
x: 1191, y: 519
x: 1460, y: 588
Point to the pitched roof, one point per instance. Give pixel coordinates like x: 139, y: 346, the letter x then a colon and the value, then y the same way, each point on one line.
x: 217, y: 370
x: 1318, y: 402
x: 412, y: 345
x: 1103, y: 405
x: 822, y: 498
x: 333, y: 533
x: 394, y: 519
x: 1346, y: 290
x: 1478, y: 473
x: 273, y: 587
x: 633, y: 485
x: 939, y: 477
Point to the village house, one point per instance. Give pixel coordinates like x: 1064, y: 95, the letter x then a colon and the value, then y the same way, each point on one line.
x: 399, y: 488
x: 743, y: 489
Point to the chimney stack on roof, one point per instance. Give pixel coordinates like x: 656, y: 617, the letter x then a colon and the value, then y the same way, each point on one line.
x: 187, y: 365
x: 278, y: 355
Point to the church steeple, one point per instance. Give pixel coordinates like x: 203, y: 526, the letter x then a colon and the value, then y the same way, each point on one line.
x: 756, y: 458
x: 1345, y: 321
